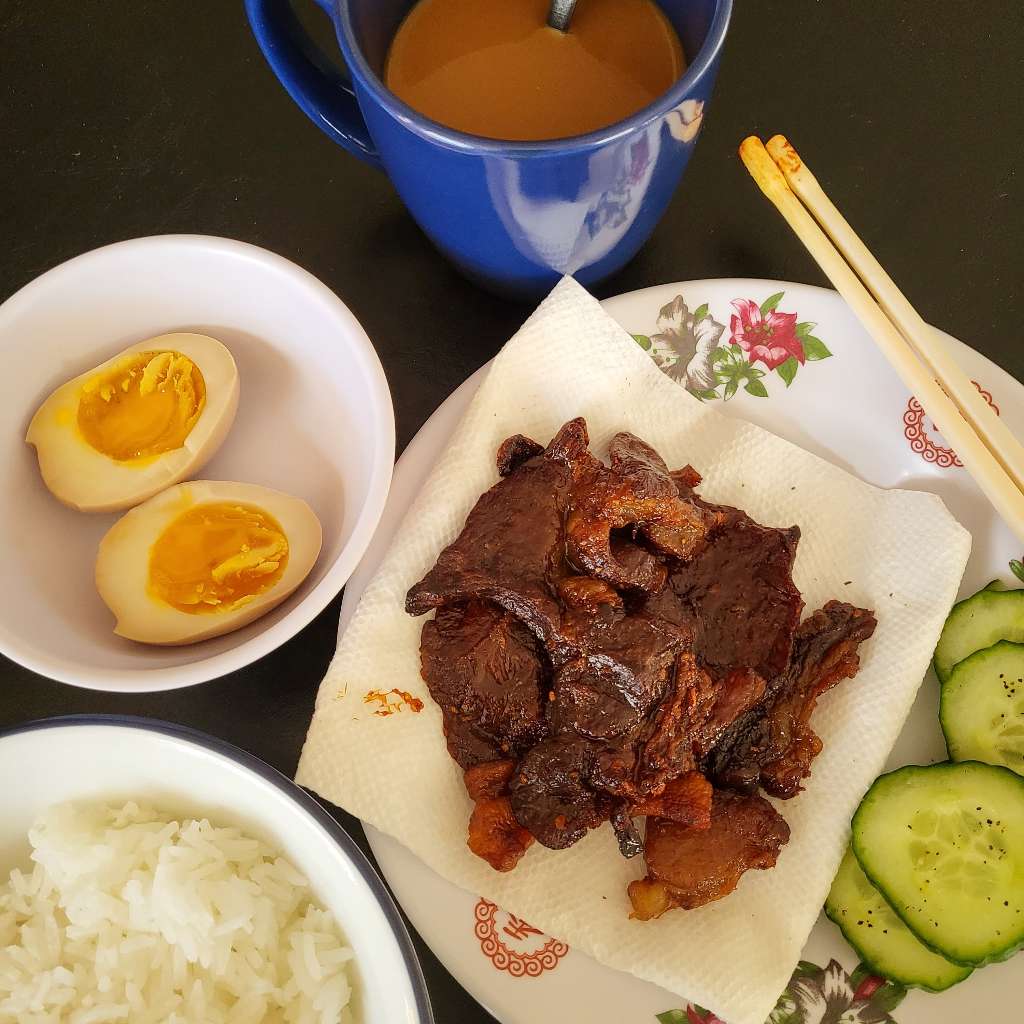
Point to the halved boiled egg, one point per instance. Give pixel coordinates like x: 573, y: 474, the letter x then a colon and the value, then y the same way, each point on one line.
x: 204, y: 558
x: 139, y: 422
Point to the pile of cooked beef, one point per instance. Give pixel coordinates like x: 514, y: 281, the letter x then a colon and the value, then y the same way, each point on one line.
x: 608, y: 646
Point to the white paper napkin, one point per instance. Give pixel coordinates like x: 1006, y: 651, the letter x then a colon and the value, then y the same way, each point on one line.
x: 902, y: 553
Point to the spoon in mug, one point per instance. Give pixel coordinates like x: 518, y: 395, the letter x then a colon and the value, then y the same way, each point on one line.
x: 560, y: 14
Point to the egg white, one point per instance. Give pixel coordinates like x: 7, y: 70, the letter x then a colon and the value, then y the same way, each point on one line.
x: 122, y: 562
x: 88, y: 480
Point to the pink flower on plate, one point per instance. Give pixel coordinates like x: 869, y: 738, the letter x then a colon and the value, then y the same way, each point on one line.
x: 770, y: 338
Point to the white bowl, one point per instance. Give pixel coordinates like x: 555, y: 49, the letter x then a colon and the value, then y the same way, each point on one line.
x: 314, y: 419
x: 188, y: 773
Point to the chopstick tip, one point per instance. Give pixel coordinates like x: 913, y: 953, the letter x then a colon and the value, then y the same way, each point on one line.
x: 762, y: 168
x: 782, y: 152
x: 751, y: 144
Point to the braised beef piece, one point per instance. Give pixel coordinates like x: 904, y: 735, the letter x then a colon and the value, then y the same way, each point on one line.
x: 773, y: 744
x: 514, y: 451
x: 585, y: 598
x: 511, y: 549
x: 689, y: 867
x: 637, y: 493
x: 598, y: 704
x: 486, y: 673
x: 664, y: 748
x: 495, y: 835
x: 550, y: 794
x: 663, y: 756
x: 674, y: 527
x: 686, y: 800
x: 648, y: 763
x: 622, y: 672
x: 742, y: 597
x: 489, y: 779
x: 605, y: 642
x: 734, y: 695
x: 603, y: 702
x: 694, y: 712
x: 737, y: 591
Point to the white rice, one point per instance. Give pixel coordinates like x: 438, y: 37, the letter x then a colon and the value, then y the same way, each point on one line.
x: 127, y: 915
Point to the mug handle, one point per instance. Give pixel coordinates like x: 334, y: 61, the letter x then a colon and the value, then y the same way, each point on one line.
x: 327, y: 99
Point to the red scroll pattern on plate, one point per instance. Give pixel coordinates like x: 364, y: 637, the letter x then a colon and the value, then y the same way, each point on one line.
x: 514, y: 946
x: 918, y: 431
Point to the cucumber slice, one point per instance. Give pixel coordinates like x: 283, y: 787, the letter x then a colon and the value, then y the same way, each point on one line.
x: 944, y: 845
x: 998, y: 585
x: 978, y: 622
x: 880, y: 938
x: 982, y: 707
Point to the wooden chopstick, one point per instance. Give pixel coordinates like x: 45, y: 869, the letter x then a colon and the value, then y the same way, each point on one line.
x: 998, y: 486
x: 986, y: 423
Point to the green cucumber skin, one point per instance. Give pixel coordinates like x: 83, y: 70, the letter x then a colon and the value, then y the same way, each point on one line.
x: 961, y: 680
x: 998, y: 586
x: 834, y: 912
x: 983, y: 605
x: 997, y: 955
x: 878, y: 971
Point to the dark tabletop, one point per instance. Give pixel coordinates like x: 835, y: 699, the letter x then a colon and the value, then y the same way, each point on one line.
x: 126, y: 119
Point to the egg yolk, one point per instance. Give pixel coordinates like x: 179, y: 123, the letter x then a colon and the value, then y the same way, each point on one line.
x: 217, y: 557
x: 144, y: 406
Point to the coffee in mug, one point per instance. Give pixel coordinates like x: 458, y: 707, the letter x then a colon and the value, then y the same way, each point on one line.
x: 494, y: 68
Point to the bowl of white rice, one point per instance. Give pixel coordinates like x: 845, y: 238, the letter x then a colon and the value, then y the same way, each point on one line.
x: 155, y: 875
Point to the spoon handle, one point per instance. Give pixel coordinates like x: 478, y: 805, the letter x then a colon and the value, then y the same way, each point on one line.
x: 560, y: 14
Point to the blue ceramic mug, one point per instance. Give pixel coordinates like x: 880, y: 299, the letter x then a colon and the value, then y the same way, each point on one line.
x: 514, y: 216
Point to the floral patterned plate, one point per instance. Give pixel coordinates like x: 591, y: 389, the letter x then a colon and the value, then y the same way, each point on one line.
x: 794, y: 360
